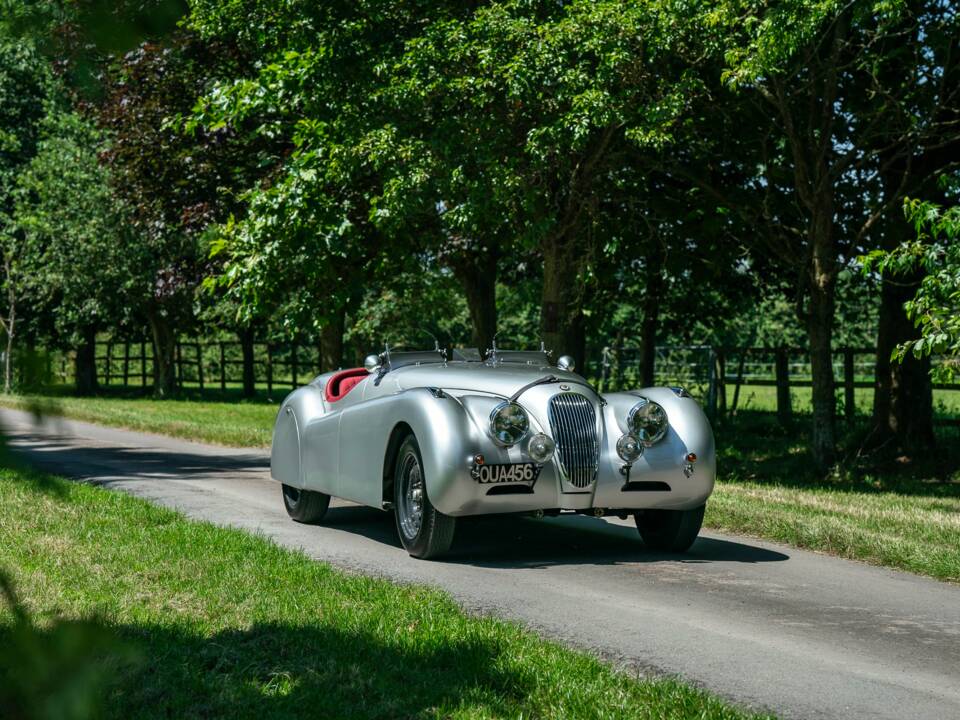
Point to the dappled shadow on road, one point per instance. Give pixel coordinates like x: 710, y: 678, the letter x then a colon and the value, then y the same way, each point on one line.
x: 511, y: 541
x: 61, y: 455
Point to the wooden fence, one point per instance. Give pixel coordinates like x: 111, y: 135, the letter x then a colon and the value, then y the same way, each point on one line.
x: 717, y: 376
x: 207, y: 364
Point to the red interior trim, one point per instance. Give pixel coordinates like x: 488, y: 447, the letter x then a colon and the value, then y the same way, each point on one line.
x: 343, y: 382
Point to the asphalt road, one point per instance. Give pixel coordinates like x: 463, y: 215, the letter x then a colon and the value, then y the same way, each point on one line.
x: 764, y: 625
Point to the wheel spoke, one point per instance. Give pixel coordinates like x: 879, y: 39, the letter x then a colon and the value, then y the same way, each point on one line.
x: 410, y: 507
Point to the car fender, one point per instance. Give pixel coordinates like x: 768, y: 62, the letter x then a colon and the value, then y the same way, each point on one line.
x: 368, y: 442
x: 287, y: 448
x: 689, y: 432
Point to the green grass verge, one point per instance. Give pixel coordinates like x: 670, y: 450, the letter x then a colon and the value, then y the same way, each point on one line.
x: 236, y: 424
x: 879, y: 510
x: 216, y: 622
x: 918, y: 534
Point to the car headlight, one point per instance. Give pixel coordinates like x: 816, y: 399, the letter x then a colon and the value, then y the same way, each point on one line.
x: 648, y: 422
x: 629, y: 448
x: 508, y: 423
x: 541, y: 448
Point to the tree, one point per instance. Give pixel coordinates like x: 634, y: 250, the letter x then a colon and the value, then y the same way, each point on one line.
x: 935, y: 309
x: 174, y: 183
x: 845, y: 116
x: 80, y: 272
x: 24, y: 88
x: 526, y: 110
x: 311, y: 240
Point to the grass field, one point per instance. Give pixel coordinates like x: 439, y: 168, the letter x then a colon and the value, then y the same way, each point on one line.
x: 900, y: 516
x: 234, y: 423
x: 158, y: 617
x: 884, y: 512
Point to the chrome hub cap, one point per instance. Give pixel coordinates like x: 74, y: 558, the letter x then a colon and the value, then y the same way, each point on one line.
x: 410, y: 505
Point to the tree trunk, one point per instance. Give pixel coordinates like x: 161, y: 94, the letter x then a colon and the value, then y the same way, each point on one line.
x: 479, y: 283
x: 561, y: 306
x: 331, y: 342
x: 8, y: 355
x: 85, y: 363
x: 247, y: 336
x: 903, y: 392
x: 9, y: 326
x: 651, y: 314
x: 164, y: 349
x: 822, y: 286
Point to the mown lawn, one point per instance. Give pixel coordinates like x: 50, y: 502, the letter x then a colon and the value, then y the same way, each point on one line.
x: 192, y: 620
x: 920, y: 534
x: 233, y: 423
x: 879, y: 510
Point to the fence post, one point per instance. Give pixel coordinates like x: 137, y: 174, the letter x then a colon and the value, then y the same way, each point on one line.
x: 736, y: 388
x: 223, y: 368
x: 293, y: 364
x: 199, y: 354
x: 784, y: 411
x: 849, y: 399
x: 106, y: 374
x: 143, y: 363
x: 712, y: 385
x: 179, y: 365
x: 722, y: 380
x: 269, y: 370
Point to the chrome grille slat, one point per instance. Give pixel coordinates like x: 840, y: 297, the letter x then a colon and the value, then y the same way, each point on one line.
x: 573, y: 422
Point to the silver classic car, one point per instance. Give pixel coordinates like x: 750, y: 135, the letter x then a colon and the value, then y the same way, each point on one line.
x: 434, y: 439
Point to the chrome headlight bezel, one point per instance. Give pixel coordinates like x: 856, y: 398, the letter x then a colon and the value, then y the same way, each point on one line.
x: 648, y: 422
x: 541, y: 448
x: 629, y: 448
x: 509, y: 423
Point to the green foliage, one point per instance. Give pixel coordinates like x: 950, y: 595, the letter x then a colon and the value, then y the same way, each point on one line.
x: 24, y: 87
x: 80, y: 268
x: 936, y: 307
x: 59, y: 671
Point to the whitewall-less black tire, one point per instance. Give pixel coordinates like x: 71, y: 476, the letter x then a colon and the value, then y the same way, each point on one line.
x: 305, y: 506
x: 424, y: 531
x: 670, y: 530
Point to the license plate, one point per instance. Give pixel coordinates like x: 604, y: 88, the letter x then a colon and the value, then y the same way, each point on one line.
x: 510, y: 473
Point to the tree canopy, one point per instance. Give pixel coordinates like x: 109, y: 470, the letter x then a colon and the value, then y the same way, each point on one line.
x: 588, y: 174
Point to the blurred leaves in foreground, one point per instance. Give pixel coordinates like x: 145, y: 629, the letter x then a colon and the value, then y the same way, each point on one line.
x: 61, y: 670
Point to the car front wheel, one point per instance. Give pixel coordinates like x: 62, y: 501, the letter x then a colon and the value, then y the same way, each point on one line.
x: 424, y: 531
x: 305, y: 506
x: 670, y: 530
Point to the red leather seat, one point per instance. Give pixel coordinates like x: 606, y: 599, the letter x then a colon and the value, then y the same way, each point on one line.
x: 343, y: 382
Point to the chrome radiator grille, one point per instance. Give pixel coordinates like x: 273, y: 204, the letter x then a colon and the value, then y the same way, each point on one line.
x: 573, y: 423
